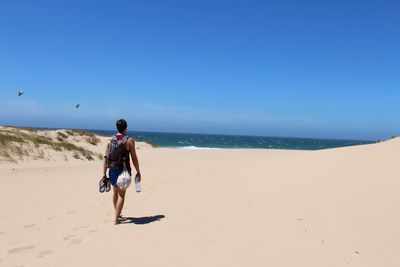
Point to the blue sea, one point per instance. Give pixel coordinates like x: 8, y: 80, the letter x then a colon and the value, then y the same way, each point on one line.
x: 204, y: 141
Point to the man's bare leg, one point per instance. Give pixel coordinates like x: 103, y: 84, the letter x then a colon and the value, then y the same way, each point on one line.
x: 120, y: 203
x: 115, y: 198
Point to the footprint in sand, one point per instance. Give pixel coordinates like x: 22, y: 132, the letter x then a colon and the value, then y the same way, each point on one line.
x: 45, y: 253
x: 92, y: 231
x: 29, y: 226
x: 19, y: 249
x: 79, y: 227
x: 67, y: 237
x: 71, y: 212
x: 51, y: 218
x: 75, y: 241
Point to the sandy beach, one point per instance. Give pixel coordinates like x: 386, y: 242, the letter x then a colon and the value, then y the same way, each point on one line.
x: 216, y: 207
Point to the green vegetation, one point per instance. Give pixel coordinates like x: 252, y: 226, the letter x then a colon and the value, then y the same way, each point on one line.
x: 80, y: 133
x: 74, y: 148
x: 16, y: 144
x: 91, y: 138
x: 23, y: 128
x: 7, y: 150
x: 61, y: 136
x: 5, y: 138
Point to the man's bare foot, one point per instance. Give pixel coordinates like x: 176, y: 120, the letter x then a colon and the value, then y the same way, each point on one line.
x: 116, y: 221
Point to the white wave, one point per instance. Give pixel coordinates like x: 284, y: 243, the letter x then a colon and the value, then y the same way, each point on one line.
x: 197, y: 147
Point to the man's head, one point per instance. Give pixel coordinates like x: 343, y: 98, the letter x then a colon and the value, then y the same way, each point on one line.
x: 121, y: 125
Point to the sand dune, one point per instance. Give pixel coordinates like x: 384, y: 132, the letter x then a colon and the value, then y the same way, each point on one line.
x: 337, y: 207
x: 26, y: 145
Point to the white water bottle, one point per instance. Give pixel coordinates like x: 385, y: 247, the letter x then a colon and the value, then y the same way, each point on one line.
x: 137, y: 183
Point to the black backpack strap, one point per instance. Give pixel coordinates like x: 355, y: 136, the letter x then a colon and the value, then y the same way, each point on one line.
x: 126, y: 138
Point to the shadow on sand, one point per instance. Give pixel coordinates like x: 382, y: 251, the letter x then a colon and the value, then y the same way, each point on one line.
x: 141, y: 220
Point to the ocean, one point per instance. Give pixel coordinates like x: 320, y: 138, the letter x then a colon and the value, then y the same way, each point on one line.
x: 215, y: 141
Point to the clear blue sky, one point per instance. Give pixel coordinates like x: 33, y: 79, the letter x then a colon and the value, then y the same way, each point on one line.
x: 277, y: 68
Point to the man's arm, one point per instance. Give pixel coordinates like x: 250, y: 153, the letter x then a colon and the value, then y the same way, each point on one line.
x: 132, y: 150
x: 105, y: 162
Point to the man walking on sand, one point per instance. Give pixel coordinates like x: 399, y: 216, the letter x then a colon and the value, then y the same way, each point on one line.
x: 116, y: 159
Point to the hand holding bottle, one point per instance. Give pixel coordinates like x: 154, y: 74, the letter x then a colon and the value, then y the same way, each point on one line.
x: 137, y: 183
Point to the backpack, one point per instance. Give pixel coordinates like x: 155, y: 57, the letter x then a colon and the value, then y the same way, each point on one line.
x: 117, y: 153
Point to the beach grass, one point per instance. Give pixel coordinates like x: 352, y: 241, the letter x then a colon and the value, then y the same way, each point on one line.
x: 17, y: 144
x: 90, y: 137
x: 22, y: 128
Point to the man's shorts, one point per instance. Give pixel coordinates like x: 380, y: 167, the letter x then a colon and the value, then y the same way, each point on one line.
x: 113, y: 175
